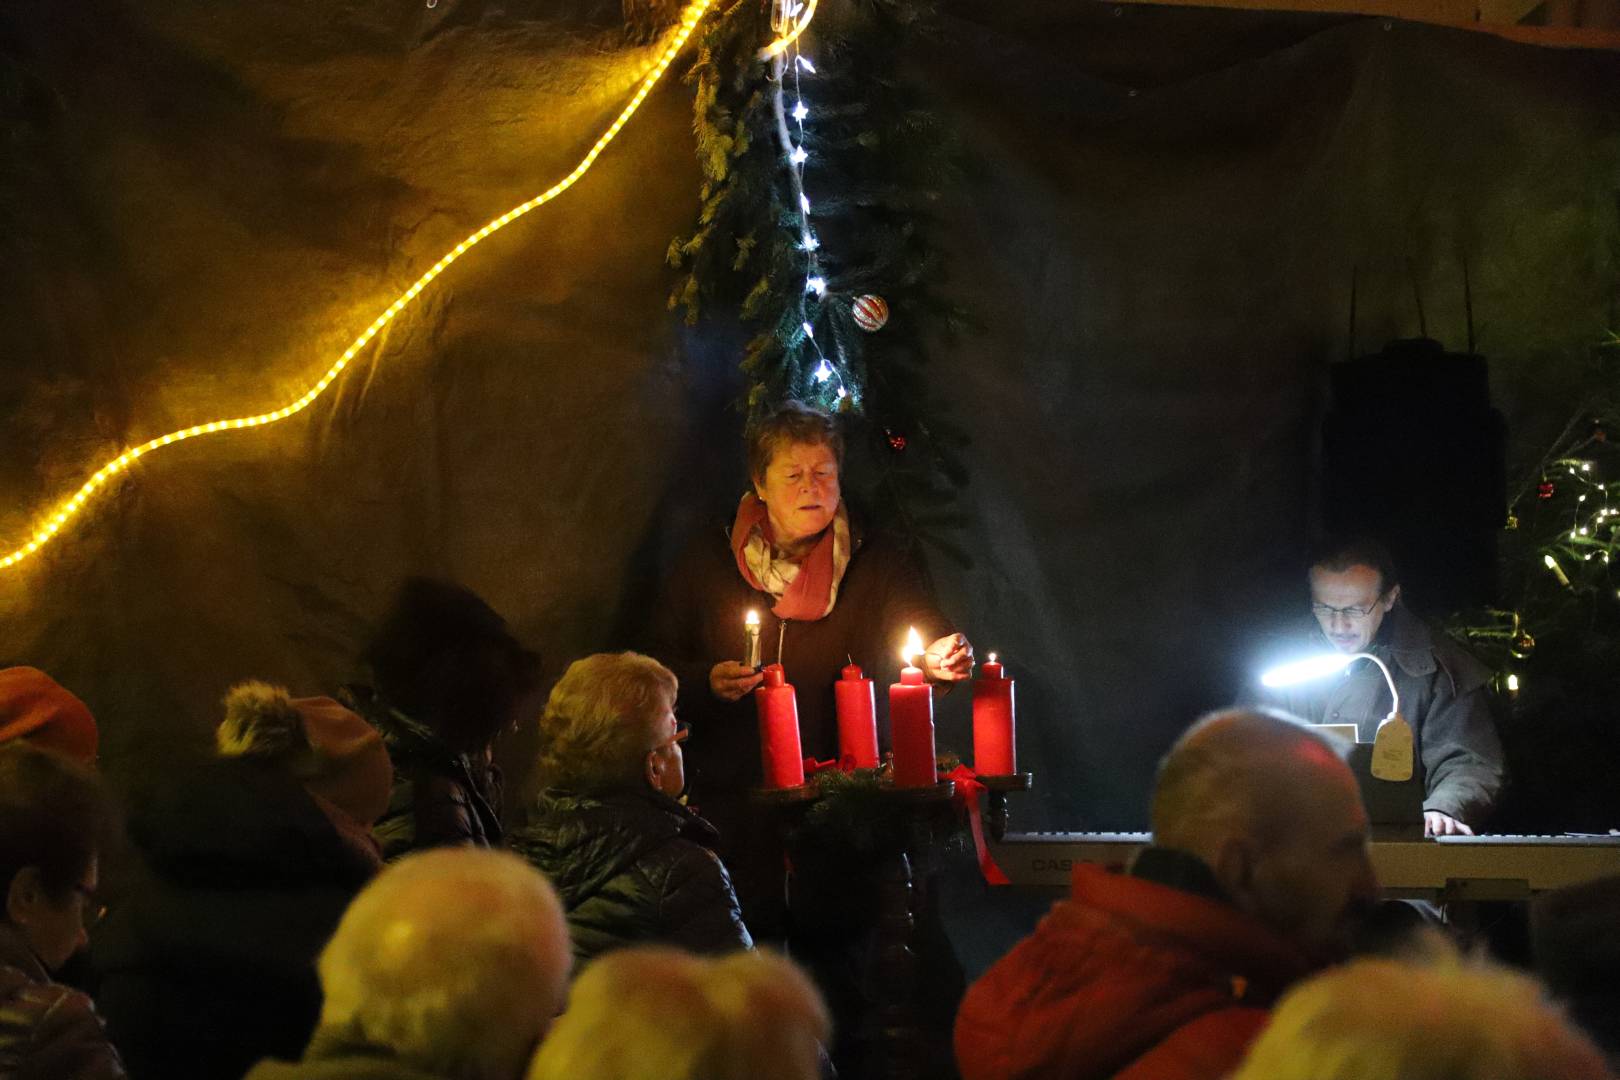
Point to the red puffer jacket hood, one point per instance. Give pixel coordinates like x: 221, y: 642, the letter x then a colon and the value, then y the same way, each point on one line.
x: 1128, y: 978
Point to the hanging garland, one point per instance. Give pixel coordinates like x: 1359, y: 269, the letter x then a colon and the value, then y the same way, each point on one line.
x: 815, y: 231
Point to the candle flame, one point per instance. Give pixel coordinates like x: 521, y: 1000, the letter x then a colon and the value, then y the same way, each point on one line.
x: 752, y: 619
x: 913, y: 647
x: 992, y: 658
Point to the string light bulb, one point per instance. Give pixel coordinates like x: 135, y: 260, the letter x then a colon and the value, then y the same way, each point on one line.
x: 801, y: 20
x: 804, y: 62
x: 74, y: 504
x: 798, y: 155
x: 800, y: 110
x: 1557, y: 571
x: 817, y: 285
x: 823, y: 371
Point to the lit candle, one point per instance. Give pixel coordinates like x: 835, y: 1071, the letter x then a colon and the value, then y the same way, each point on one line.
x: 857, y: 718
x: 779, y: 752
x: 751, y: 640
x: 911, y: 721
x: 994, y: 725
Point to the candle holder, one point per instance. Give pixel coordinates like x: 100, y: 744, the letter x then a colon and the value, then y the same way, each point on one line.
x: 903, y: 1052
x: 787, y: 796
x: 995, y: 811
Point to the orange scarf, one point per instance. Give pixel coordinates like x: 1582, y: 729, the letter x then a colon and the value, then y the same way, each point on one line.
x: 805, y: 590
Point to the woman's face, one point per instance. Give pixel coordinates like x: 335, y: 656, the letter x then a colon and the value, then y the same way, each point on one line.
x: 800, y: 491
x: 53, y: 926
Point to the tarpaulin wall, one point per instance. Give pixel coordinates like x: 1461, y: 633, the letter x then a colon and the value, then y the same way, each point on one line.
x: 201, y: 204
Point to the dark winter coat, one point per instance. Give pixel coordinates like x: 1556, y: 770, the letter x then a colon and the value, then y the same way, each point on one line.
x: 207, y: 965
x: 699, y: 623
x: 441, y: 798
x: 47, y: 1031
x: 632, y: 868
x: 1444, y: 696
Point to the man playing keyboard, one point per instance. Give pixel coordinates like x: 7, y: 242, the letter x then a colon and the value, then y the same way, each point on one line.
x: 1355, y: 598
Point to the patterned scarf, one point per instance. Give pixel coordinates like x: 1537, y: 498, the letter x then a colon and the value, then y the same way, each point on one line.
x: 805, y: 590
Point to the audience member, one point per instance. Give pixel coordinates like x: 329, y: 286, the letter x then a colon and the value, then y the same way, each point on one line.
x: 1383, y: 1020
x: 207, y: 964
x: 632, y: 864
x: 1575, y: 937
x: 451, y: 965
x: 653, y: 1013
x: 33, y: 706
x: 52, y: 821
x: 448, y: 677
x: 1258, y: 873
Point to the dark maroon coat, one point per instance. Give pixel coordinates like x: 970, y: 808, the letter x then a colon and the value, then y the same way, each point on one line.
x: 699, y: 623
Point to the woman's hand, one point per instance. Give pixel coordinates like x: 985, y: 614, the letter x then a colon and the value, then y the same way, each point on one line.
x: 950, y: 659
x: 729, y: 680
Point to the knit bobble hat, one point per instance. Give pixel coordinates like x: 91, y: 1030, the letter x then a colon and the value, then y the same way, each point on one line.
x: 339, y: 756
x: 35, y: 707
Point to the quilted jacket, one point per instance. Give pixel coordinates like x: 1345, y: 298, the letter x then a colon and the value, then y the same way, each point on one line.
x: 633, y: 867
x: 47, y: 1031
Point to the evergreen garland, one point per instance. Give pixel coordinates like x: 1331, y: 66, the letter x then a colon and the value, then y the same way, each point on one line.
x: 878, y: 161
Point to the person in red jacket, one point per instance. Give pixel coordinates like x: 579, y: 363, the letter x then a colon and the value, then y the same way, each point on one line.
x: 1258, y: 875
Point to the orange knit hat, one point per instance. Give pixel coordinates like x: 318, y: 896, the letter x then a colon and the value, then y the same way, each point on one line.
x: 332, y: 750
x: 36, y: 707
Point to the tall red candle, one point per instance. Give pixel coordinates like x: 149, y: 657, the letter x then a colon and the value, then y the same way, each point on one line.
x: 779, y: 750
x: 994, y: 722
x: 857, y: 718
x: 911, y: 723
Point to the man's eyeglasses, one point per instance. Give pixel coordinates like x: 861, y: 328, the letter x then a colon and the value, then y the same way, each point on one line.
x: 1356, y: 614
x: 91, y: 910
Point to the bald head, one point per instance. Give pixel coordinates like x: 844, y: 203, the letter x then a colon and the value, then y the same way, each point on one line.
x: 456, y: 959
x: 1271, y: 807
x: 1234, y: 770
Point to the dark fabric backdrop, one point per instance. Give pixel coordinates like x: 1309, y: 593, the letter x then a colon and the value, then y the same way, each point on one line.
x: 201, y: 203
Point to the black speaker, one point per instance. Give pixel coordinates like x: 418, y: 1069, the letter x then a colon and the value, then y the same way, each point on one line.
x: 1414, y: 454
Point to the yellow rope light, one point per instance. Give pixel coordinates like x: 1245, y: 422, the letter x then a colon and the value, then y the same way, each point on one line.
x: 70, y: 507
x: 779, y: 46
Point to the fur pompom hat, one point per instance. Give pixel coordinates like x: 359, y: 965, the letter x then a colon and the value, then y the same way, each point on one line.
x: 36, y: 707
x: 339, y: 756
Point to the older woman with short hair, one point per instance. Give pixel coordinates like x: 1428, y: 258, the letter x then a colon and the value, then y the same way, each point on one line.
x: 828, y: 589
x: 630, y: 862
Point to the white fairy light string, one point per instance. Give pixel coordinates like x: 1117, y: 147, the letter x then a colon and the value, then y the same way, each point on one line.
x: 789, y: 18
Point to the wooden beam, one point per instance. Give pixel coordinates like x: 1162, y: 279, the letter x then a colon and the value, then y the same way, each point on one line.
x: 1440, y: 11
x: 1502, y: 18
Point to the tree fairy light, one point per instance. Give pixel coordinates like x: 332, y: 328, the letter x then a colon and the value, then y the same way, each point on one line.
x: 69, y: 508
x: 798, y: 14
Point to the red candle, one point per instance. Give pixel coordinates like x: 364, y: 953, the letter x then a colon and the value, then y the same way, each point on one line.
x: 779, y: 751
x: 994, y: 723
x: 911, y: 724
x: 857, y: 718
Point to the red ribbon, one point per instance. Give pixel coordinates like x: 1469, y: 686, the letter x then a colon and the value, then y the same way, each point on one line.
x: 968, y: 790
x: 845, y: 764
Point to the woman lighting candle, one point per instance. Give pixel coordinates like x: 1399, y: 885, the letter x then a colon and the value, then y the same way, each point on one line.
x: 826, y: 588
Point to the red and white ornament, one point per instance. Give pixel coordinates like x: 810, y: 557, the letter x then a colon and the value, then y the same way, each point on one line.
x: 870, y: 312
